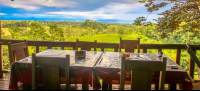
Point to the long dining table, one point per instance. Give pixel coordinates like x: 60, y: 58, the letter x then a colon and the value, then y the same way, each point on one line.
x: 108, y: 69
x: 81, y: 70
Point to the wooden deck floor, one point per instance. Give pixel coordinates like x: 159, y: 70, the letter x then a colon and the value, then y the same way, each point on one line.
x: 4, y: 83
x: 116, y: 87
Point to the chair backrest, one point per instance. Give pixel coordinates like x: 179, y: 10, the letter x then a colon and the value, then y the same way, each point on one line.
x: 18, y: 51
x: 86, y: 45
x: 141, y: 73
x: 129, y: 45
x: 50, y: 68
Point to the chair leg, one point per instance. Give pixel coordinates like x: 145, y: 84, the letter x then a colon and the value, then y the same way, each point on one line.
x: 104, y: 86
x: 156, y: 86
x: 110, y: 87
x: 172, y: 86
x: 85, y: 87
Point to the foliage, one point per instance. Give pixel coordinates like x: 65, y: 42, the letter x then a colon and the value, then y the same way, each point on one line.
x: 182, y: 11
x: 139, y: 20
x: 112, y: 29
x: 9, y: 24
x: 37, y: 32
x: 94, y: 25
x: 56, y: 32
x: 121, y: 30
x: 70, y: 31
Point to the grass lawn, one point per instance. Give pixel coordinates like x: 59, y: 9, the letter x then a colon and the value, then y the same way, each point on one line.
x: 113, y: 38
x: 5, y: 30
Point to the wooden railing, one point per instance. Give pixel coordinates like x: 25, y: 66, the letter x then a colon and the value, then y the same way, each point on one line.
x: 102, y: 46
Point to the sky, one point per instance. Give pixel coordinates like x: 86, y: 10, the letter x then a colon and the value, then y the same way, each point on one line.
x: 105, y: 11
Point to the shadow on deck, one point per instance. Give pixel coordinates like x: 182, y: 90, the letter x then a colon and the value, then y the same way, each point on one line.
x: 4, y: 85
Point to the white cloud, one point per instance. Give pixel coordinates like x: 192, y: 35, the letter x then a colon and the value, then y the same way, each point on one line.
x: 26, y: 7
x: 93, y: 15
x: 34, y: 4
x: 121, y: 11
x: 120, y: 8
x: 3, y: 14
x: 132, y: 1
x: 18, y: 4
x: 35, y: 15
x: 43, y: 15
x: 111, y: 11
x: 57, y: 3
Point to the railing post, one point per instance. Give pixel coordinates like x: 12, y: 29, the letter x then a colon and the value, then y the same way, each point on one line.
x: 102, y: 49
x: 115, y: 49
x: 37, y: 49
x: 144, y: 50
x: 74, y: 48
x: 1, y: 62
x: 192, y: 65
x: 62, y: 48
x: 178, y: 56
x: 159, y: 50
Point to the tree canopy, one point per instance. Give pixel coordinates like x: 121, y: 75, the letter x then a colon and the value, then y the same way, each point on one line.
x: 184, y: 16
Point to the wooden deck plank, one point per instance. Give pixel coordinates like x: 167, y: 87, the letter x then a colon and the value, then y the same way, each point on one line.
x: 4, y: 84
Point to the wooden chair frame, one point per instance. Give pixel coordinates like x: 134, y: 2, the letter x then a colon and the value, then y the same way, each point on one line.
x: 51, y: 75
x: 141, y: 73
x: 129, y: 45
x: 18, y: 51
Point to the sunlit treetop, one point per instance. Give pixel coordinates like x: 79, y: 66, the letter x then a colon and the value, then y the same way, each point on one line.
x: 183, y: 15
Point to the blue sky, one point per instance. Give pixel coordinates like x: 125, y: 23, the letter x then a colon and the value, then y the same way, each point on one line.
x: 121, y: 11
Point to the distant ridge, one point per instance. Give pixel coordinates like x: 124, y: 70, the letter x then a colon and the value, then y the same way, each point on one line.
x: 69, y: 19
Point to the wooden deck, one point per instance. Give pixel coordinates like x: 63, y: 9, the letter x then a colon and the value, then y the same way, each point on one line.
x: 116, y: 87
x: 4, y: 85
x: 4, y: 82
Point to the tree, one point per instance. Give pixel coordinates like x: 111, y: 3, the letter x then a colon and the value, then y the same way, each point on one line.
x: 89, y: 29
x: 99, y: 28
x: 14, y: 32
x: 112, y: 29
x: 139, y: 20
x: 68, y: 31
x: 186, y: 12
x: 129, y: 30
x: 37, y: 32
x: 56, y: 32
x: 121, y: 30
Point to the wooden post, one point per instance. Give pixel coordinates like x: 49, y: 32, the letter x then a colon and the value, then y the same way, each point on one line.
x: 115, y: 49
x: 74, y: 48
x: 159, y: 50
x: 144, y: 50
x: 192, y: 53
x: 37, y: 49
x: 95, y: 49
x: 1, y: 62
x: 62, y: 48
x: 192, y: 63
x: 192, y: 66
x: 102, y: 49
x: 178, y: 56
x: 104, y: 86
